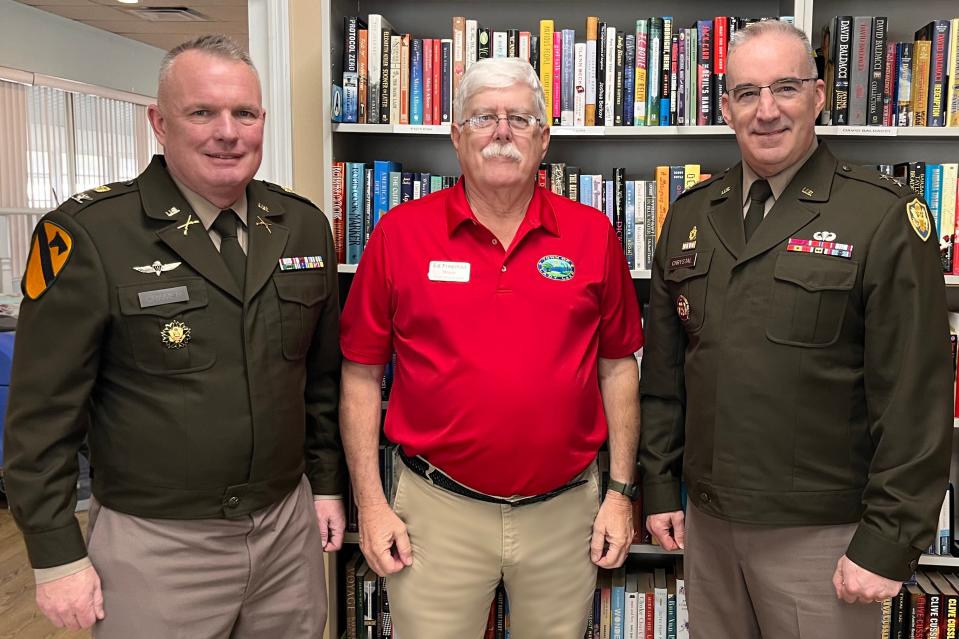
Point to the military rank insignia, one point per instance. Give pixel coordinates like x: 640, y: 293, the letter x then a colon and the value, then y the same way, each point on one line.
x: 306, y: 263
x: 682, y: 308
x: 175, y: 334
x: 49, y: 252
x: 918, y: 216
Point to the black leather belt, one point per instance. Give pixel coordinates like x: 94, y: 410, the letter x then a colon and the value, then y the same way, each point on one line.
x: 440, y: 479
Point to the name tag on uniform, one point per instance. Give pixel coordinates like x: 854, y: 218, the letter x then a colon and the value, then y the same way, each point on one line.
x: 683, y: 261
x: 449, y: 271
x: 163, y: 296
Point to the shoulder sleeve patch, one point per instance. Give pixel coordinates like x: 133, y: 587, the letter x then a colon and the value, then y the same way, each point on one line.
x: 918, y: 216
x: 50, y: 251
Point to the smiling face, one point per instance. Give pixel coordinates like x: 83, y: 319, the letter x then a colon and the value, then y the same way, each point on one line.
x: 772, y: 135
x: 209, y: 119
x: 499, y: 157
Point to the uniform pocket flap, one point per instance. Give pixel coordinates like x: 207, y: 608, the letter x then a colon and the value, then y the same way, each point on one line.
x: 679, y: 269
x: 166, y: 299
x: 292, y: 287
x: 815, y: 272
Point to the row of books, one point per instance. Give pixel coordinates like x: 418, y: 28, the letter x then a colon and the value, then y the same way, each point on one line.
x: 872, y: 80
x: 927, y: 606
x: 938, y: 184
x: 367, y: 602
x: 636, y: 208
x: 654, y: 73
x: 635, y: 603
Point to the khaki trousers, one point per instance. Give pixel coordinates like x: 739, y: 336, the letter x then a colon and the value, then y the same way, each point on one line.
x: 462, y: 548
x: 746, y: 582
x: 257, y: 576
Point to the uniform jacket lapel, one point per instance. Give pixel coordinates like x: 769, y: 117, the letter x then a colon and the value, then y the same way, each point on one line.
x: 797, y: 206
x: 183, y: 232
x: 267, y: 238
x: 726, y: 215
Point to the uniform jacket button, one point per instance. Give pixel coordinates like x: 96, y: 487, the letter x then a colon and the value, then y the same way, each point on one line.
x: 233, y: 501
x: 704, y: 496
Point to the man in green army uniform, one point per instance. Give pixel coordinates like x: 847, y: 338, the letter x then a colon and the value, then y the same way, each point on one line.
x: 796, y: 371
x: 186, y: 322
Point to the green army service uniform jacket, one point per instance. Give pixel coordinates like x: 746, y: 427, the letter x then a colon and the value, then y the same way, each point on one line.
x: 802, y: 388
x: 199, y: 400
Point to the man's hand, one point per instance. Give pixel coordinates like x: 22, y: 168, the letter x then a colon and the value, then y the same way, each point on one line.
x: 612, y: 531
x: 380, y: 529
x: 669, y: 529
x: 74, y: 601
x: 855, y: 584
x: 331, y: 519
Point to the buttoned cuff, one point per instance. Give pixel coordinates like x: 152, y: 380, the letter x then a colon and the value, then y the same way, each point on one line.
x: 44, y: 575
x: 326, y: 497
x: 886, y: 558
x: 661, y: 497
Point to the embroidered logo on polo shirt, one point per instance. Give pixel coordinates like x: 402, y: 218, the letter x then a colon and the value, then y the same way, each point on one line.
x: 556, y: 267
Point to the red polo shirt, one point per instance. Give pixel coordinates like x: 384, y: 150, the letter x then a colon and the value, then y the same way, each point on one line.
x: 496, y: 381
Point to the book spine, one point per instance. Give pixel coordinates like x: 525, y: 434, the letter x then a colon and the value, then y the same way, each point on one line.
x: 629, y: 78
x: 416, y: 82
x: 572, y: 182
x: 367, y: 204
x: 682, y: 82
x: 673, y: 76
x: 662, y: 197
x: 938, y: 82
x: 405, y: 79
x: 472, y: 33
x: 569, y: 89
x: 654, y: 59
x: 952, y: 101
x: 374, y: 59
x: 363, y: 88
x: 904, y: 55
x: 601, y: 74
x: 579, y: 77
x: 483, y: 44
x: 629, y: 225
x: 840, y: 109
x: 339, y: 234
x: 619, y: 80
x: 721, y: 38
x: 459, y: 55
x: 861, y: 61
x: 704, y: 76
x: 499, y: 44
x: 667, y: 69
x: 396, y: 64
x: 351, y: 77
x: 877, y: 84
x: 889, y: 84
x: 446, y: 81
x: 609, y: 113
x: 386, y: 40
x: 592, y: 23
x: 642, y: 47
x: 557, y: 77
x: 947, y: 233
x: 354, y: 212
x: 920, y: 82
x: 524, y: 43
x: 546, y: 63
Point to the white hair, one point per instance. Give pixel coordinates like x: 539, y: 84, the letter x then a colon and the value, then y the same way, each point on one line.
x: 499, y: 73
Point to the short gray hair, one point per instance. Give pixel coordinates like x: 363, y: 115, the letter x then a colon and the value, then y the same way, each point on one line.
x: 772, y: 27
x: 499, y: 73
x: 220, y: 46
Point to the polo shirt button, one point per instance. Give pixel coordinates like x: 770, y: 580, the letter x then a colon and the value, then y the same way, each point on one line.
x: 232, y: 502
x: 504, y: 268
x: 495, y: 242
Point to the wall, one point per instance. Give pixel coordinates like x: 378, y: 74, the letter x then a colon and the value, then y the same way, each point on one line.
x: 41, y: 42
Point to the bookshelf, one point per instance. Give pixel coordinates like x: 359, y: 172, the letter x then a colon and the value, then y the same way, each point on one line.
x: 599, y: 149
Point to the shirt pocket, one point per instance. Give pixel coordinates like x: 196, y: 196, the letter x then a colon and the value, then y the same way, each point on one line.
x: 300, y: 296
x: 687, y: 288
x: 810, y: 295
x: 171, y: 338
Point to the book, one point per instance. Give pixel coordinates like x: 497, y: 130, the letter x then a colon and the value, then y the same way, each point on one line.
x: 640, y: 80
x: 860, y: 70
x: 937, y: 34
x: 546, y: 63
x: 589, y: 115
x: 339, y: 230
x: 840, y: 107
x: 377, y: 26
x: 877, y: 83
x: 904, y: 116
x: 458, y: 57
x: 920, y: 82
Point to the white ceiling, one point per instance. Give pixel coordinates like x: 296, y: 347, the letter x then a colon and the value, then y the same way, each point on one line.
x: 223, y: 16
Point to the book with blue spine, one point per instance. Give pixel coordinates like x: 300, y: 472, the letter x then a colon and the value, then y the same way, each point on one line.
x: 665, y: 90
x: 654, y: 66
x: 609, y: 202
x: 586, y: 189
x: 355, y: 174
x: 629, y: 228
x: 618, y: 602
x: 406, y: 186
x: 416, y: 82
x: 933, y: 192
x: 367, y: 204
x: 381, y: 188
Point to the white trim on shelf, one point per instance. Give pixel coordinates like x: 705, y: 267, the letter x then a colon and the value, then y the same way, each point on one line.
x: 938, y: 560
x: 952, y: 280
x: 346, y: 268
x: 651, y: 549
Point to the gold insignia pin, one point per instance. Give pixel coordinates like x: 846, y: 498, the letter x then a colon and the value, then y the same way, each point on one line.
x: 170, y: 212
x: 102, y: 189
x: 692, y: 234
x: 726, y: 190
x: 263, y: 206
x: 186, y: 225
x: 261, y: 222
x: 807, y: 191
x: 287, y: 189
x: 175, y: 334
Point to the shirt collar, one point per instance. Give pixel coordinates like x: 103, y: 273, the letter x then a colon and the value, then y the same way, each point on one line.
x: 539, y: 213
x: 778, y: 182
x: 206, y: 210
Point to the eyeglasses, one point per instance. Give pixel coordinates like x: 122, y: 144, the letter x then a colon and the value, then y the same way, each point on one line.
x: 516, y: 121
x: 782, y: 91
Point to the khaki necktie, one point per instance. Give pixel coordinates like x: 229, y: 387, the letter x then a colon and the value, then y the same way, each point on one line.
x: 230, y: 249
x: 759, y: 192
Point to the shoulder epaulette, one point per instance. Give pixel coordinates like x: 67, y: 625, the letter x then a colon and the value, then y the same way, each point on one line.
x: 276, y: 188
x: 700, y: 185
x: 76, y: 203
x: 871, y: 176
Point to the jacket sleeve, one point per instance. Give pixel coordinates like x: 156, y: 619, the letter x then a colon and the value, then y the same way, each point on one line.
x: 54, y: 369
x: 324, y: 452
x: 908, y: 384
x: 662, y: 393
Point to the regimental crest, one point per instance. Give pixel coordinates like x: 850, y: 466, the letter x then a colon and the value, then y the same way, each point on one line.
x: 49, y: 251
x: 102, y: 189
x: 157, y: 267
x: 556, y: 267
x: 693, y: 232
x: 918, y: 216
x: 682, y: 308
x: 175, y: 334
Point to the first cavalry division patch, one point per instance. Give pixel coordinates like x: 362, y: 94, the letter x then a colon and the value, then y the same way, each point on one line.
x: 49, y: 252
x: 918, y: 216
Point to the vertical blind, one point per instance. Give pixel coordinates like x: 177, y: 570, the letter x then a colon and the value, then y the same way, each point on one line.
x: 55, y: 143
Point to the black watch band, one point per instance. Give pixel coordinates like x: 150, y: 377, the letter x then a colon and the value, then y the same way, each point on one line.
x: 628, y: 490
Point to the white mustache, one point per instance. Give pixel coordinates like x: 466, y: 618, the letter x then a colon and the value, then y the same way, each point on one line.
x: 502, y: 150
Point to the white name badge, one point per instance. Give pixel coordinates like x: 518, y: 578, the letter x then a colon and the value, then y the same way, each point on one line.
x: 449, y: 271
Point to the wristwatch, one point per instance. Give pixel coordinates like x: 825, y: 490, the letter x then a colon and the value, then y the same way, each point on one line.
x: 631, y: 491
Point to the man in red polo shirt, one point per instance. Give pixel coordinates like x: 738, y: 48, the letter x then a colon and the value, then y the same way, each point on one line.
x: 514, y: 321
